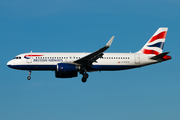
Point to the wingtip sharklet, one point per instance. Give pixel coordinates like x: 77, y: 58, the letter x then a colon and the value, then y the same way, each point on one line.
x: 110, y: 42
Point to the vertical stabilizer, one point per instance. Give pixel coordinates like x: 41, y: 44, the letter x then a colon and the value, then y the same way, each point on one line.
x: 155, y: 43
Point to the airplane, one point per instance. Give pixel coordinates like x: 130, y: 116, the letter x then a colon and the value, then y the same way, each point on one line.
x: 68, y: 65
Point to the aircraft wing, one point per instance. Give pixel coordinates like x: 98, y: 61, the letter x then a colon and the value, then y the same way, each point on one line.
x: 89, y: 59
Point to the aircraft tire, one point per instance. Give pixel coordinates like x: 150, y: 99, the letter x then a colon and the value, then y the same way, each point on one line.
x: 29, y: 77
x: 85, y: 76
x: 84, y: 80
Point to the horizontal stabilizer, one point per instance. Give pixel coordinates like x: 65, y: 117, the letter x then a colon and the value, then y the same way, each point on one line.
x: 159, y: 56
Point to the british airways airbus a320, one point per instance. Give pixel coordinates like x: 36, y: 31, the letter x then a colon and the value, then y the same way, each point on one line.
x: 67, y: 65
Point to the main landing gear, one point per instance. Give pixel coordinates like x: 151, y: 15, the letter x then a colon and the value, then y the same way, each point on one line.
x: 85, y: 76
x: 29, y: 77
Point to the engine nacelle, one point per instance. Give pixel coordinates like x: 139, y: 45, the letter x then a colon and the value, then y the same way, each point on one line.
x: 67, y: 67
x: 65, y: 74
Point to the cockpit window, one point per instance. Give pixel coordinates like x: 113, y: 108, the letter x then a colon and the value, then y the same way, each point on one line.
x: 17, y: 58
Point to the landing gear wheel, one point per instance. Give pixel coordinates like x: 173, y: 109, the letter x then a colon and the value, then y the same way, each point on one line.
x: 84, y: 80
x: 29, y: 77
x: 85, y: 76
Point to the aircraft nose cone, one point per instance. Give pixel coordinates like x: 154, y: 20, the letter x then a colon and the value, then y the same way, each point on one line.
x: 9, y: 64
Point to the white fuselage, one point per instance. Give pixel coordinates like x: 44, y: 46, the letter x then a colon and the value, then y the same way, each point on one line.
x: 109, y: 61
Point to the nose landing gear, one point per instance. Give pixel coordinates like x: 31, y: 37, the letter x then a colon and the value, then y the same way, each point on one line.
x: 29, y: 77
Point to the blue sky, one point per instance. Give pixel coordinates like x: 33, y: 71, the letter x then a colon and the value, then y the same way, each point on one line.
x: 150, y: 92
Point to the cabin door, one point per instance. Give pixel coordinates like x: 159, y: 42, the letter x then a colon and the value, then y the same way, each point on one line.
x: 137, y: 58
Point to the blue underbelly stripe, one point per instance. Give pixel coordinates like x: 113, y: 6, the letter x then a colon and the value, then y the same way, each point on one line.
x: 34, y: 67
x: 54, y: 67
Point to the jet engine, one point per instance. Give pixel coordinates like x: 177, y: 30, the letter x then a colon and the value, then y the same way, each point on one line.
x: 67, y: 70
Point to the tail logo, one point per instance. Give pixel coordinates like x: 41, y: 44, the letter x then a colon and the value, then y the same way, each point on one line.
x: 159, y: 45
x: 161, y: 35
x: 156, y: 43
